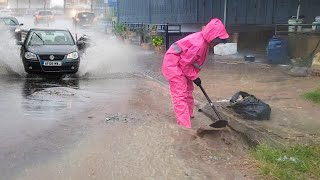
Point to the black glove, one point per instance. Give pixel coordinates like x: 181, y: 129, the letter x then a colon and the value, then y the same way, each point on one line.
x: 197, y: 81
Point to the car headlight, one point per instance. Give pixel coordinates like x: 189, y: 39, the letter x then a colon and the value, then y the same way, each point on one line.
x: 30, y: 55
x: 18, y: 29
x: 73, y: 55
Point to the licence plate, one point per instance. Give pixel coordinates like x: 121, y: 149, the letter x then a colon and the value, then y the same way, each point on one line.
x: 52, y: 63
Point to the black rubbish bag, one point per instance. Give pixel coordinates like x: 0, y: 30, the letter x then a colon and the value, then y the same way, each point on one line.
x: 250, y: 107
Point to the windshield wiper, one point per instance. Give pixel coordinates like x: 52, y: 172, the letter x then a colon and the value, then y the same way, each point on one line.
x: 38, y: 37
x: 13, y: 22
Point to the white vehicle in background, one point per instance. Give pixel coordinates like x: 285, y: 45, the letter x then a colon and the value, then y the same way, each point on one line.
x: 5, y: 12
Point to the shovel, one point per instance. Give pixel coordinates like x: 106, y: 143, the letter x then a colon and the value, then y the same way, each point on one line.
x: 220, y: 123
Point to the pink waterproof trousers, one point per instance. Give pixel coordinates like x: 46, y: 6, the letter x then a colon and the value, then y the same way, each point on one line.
x: 181, y: 89
x: 182, y: 63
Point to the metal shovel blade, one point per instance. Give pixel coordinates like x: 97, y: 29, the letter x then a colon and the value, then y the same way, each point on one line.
x: 219, y: 124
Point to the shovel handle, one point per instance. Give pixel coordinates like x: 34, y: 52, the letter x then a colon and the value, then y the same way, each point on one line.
x: 210, y: 102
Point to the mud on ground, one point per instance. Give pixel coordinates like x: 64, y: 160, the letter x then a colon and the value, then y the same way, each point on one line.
x: 136, y: 137
x: 293, y: 118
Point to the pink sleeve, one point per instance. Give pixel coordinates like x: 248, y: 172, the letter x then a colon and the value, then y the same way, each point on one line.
x: 186, y: 63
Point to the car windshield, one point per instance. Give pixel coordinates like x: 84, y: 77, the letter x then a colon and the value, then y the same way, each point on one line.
x: 45, y: 13
x: 9, y: 21
x: 50, y: 37
x: 86, y: 15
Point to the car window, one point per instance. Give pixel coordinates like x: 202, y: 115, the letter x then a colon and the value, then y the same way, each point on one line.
x: 9, y: 21
x: 45, y: 13
x: 50, y: 37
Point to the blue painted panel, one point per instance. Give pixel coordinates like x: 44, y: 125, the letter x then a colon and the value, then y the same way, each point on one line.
x: 242, y: 12
x: 269, y: 12
x: 178, y: 11
x: 188, y: 11
x: 128, y: 11
x: 251, y: 11
x: 283, y: 9
x: 208, y: 9
x: 232, y: 12
x: 201, y: 11
x: 218, y: 9
x: 111, y: 3
x: 236, y: 13
x: 261, y: 11
x: 310, y: 9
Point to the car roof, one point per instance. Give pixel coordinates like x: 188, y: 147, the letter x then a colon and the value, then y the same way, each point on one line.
x: 44, y: 29
x: 43, y: 11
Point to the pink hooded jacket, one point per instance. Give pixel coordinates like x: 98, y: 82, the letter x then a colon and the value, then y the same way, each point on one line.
x: 186, y: 56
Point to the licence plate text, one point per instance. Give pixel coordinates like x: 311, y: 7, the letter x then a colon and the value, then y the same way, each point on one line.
x: 52, y: 63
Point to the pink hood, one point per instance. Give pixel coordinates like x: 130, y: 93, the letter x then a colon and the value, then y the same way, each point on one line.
x: 186, y: 56
x: 214, y: 29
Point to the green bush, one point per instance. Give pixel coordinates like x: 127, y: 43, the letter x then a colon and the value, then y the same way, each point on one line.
x: 119, y: 28
x: 157, y: 41
x: 144, y: 33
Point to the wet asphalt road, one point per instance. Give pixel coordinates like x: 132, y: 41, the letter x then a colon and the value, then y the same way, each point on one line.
x: 41, y: 117
x: 38, y: 113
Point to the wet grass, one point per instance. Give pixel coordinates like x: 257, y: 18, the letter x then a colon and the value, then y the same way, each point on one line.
x: 313, y: 96
x: 295, y: 163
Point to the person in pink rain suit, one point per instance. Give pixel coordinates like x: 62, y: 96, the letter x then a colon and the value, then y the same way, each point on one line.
x: 182, y: 63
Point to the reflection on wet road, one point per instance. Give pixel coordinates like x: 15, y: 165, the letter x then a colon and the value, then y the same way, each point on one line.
x: 37, y: 112
x: 34, y: 103
x: 41, y: 116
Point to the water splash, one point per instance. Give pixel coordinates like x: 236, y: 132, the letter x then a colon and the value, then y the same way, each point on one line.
x: 107, y: 56
x: 10, y: 61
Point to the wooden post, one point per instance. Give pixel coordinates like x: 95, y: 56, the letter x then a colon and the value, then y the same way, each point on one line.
x: 235, y: 37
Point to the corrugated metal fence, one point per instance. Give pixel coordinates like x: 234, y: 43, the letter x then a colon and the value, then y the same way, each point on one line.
x: 239, y: 12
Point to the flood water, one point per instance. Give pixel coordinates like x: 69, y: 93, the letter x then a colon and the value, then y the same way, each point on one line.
x: 32, y: 106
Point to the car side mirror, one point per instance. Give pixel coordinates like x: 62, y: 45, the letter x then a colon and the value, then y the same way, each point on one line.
x: 21, y: 24
x: 80, y: 43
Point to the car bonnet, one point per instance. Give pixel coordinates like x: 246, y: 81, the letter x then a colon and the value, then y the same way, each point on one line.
x: 52, y: 49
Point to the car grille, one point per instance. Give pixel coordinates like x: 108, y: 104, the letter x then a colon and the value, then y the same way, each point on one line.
x: 47, y: 57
